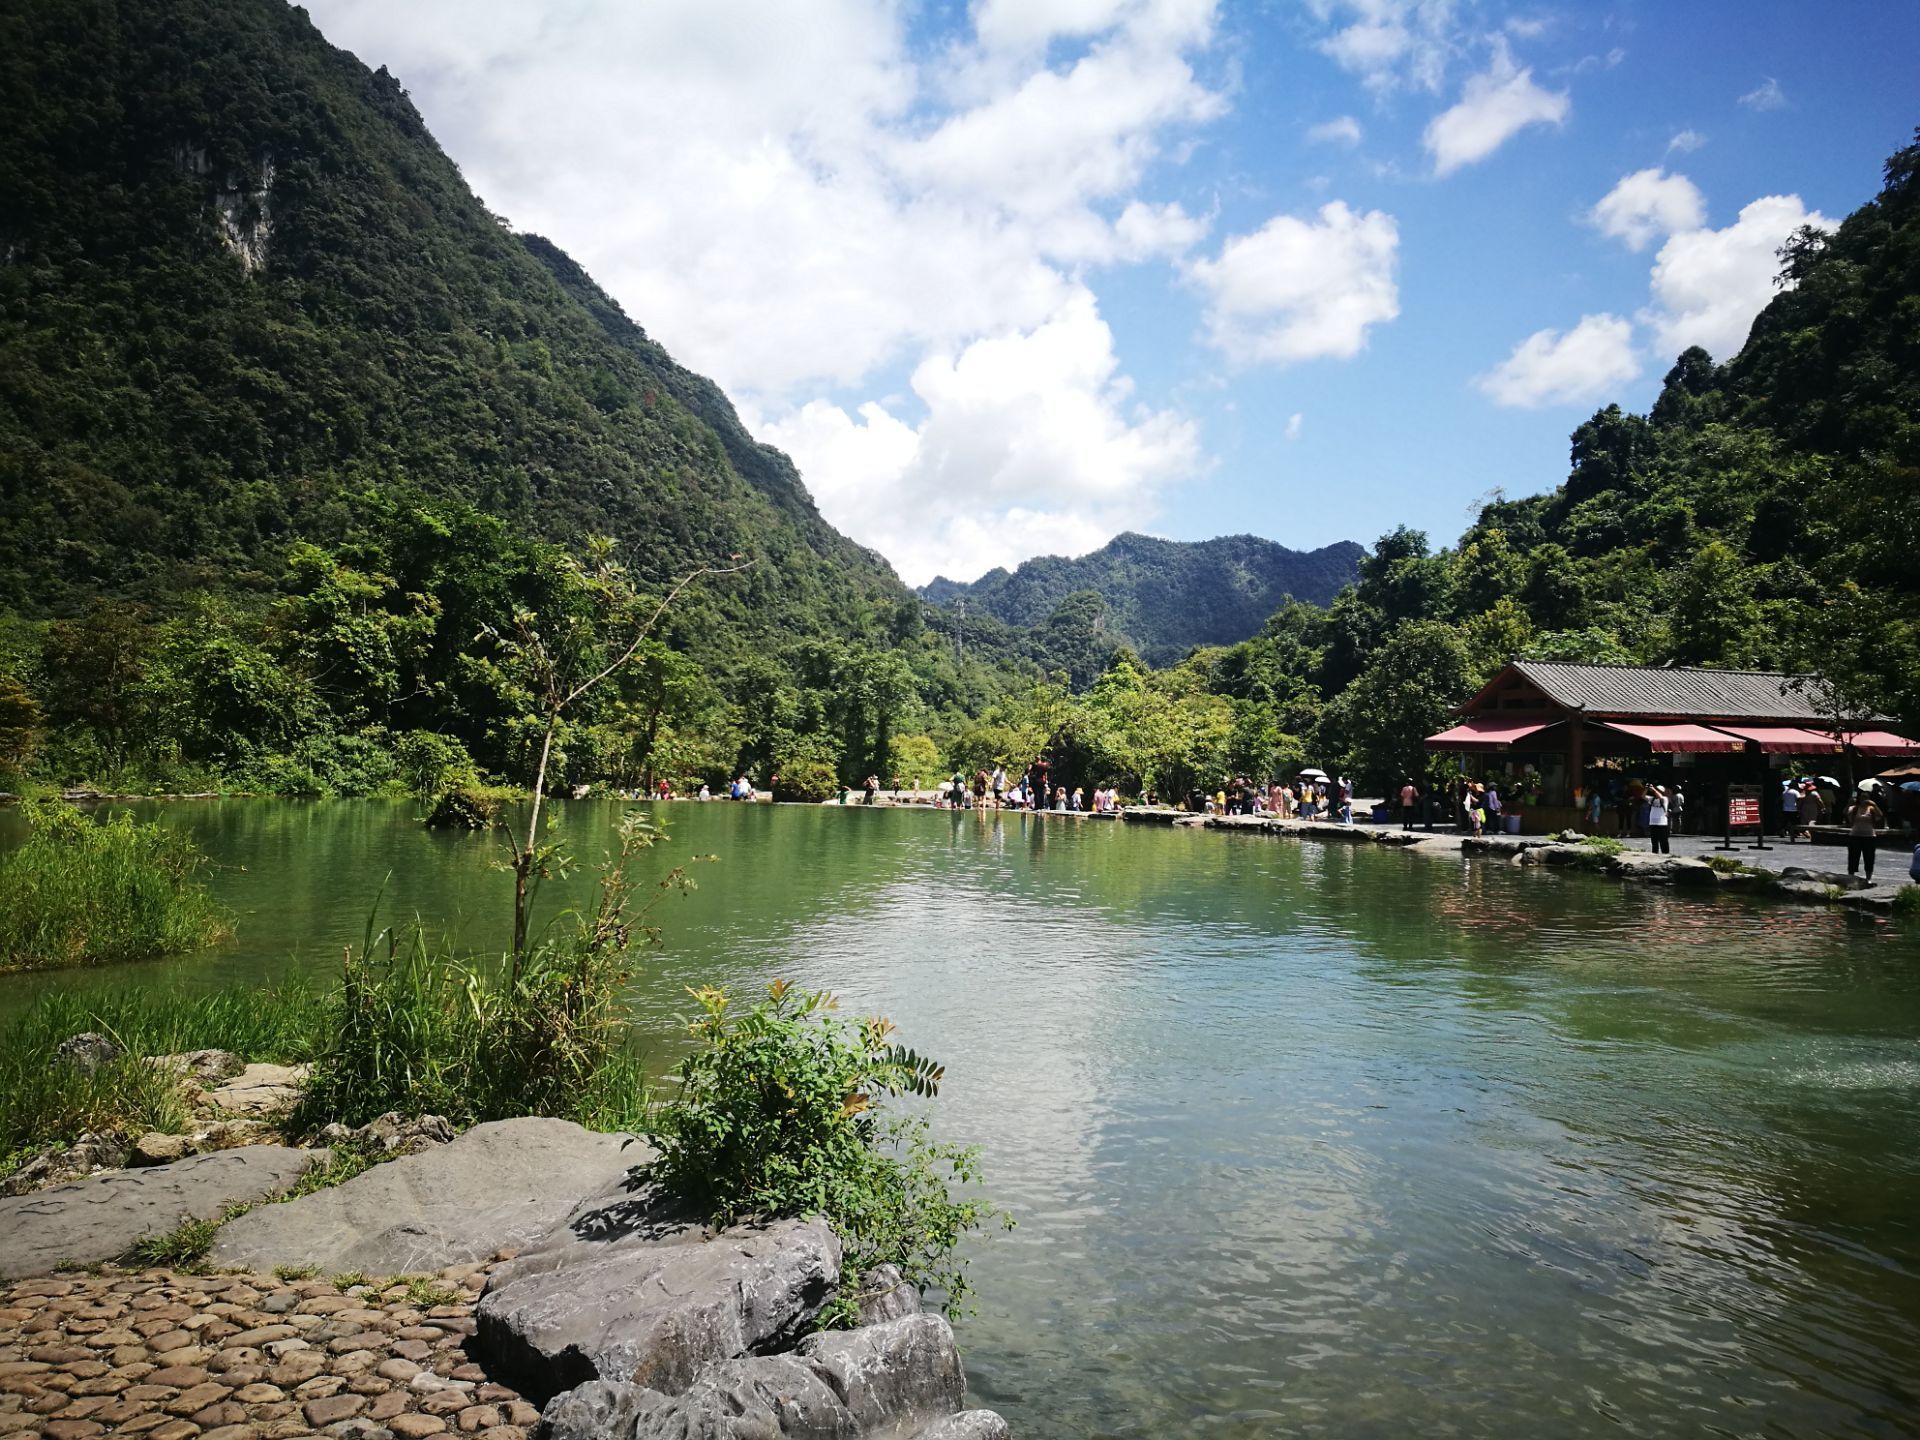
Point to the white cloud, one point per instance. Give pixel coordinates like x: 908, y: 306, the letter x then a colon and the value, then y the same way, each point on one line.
x: 1709, y: 284
x: 1767, y: 95
x: 1302, y: 289
x: 1647, y: 204
x: 1344, y: 130
x: 1496, y: 105
x: 1389, y: 44
x: 1549, y: 368
x: 804, y: 200
x: 1294, y: 422
x: 1686, y: 142
x: 1030, y: 445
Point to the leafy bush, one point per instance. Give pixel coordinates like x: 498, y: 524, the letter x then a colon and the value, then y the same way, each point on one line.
x: 467, y: 807
x: 1604, y: 845
x: 779, y: 1114
x: 1906, y: 902
x: 85, y: 893
x: 427, y: 763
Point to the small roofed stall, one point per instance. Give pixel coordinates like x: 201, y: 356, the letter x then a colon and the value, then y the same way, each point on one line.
x: 1550, y: 723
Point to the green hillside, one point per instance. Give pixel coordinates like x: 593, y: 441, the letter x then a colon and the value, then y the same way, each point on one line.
x: 291, y: 424
x: 1163, y: 597
x: 243, y: 286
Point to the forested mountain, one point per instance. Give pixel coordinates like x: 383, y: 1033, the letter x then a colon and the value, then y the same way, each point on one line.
x: 243, y: 287
x: 1163, y: 597
x: 267, y: 364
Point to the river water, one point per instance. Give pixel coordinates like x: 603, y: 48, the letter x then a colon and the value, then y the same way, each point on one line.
x: 1302, y: 1139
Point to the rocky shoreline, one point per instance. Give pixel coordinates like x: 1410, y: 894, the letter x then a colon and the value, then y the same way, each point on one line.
x: 534, y: 1283
x: 1710, y: 874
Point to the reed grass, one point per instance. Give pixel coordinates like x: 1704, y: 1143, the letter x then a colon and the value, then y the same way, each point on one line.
x: 79, y: 892
x: 43, y: 1101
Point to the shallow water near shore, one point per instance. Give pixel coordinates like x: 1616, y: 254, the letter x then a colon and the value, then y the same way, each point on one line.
x: 1303, y: 1139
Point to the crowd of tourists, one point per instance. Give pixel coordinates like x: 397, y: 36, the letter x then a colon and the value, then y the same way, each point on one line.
x: 1032, y: 788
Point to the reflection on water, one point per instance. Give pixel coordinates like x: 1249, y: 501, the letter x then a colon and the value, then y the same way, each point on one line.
x: 1302, y: 1139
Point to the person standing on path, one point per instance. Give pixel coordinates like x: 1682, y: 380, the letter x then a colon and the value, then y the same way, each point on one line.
x: 1409, y: 796
x: 1677, y: 808
x: 1812, y: 805
x: 1863, y: 824
x: 1658, y: 830
x: 1789, y: 809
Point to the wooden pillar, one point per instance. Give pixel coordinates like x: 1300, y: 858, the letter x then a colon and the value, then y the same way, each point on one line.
x: 1576, y: 755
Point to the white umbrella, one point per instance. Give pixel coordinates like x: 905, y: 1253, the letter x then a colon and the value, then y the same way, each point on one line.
x: 1870, y: 784
x: 1313, y: 775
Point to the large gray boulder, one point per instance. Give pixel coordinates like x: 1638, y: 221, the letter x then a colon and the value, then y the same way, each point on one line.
x: 502, y: 1184
x: 880, y: 1380
x: 104, y: 1217
x: 621, y: 1293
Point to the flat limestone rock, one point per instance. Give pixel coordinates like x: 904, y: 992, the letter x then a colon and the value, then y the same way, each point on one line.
x: 623, y: 1292
x: 104, y: 1217
x: 259, y: 1090
x: 506, y: 1183
x: 880, y: 1380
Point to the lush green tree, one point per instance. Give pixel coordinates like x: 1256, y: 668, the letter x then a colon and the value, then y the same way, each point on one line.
x: 1377, y: 728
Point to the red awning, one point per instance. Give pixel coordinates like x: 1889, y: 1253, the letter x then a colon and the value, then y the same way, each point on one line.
x: 1883, y: 742
x: 1784, y: 739
x: 1490, y: 732
x: 1671, y: 736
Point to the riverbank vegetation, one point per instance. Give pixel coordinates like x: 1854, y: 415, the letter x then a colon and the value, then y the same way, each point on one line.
x: 782, y: 1111
x: 81, y: 892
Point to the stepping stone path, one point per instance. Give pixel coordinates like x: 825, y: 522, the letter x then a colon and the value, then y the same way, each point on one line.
x: 167, y: 1356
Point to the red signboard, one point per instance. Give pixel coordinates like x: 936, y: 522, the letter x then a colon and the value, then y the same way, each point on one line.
x: 1743, y: 809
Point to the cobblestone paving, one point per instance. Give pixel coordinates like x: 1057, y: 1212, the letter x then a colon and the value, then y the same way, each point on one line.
x: 168, y: 1356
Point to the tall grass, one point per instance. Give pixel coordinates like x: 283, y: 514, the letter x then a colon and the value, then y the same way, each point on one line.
x: 43, y: 1101
x: 85, y: 893
x: 414, y: 1028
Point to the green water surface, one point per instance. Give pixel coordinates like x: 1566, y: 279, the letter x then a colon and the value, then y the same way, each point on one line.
x: 1303, y: 1139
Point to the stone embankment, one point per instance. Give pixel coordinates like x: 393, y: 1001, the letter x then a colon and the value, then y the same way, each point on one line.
x: 1768, y: 874
x: 534, y: 1266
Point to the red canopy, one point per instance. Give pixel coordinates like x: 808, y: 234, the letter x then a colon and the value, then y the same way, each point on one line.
x: 1784, y: 739
x: 1670, y: 736
x: 1490, y: 732
x: 1882, y: 742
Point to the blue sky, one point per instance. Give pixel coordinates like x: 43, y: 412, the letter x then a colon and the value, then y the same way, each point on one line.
x: 1008, y: 277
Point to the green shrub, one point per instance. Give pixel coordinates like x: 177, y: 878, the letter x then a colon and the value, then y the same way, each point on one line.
x: 426, y: 763
x: 1906, y: 902
x: 467, y: 807
x: 1604, y: 845
x: 780, y: 1113
x: 85, y: 893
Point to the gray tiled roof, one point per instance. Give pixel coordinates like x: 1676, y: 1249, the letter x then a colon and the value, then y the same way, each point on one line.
x: 1675, y: 693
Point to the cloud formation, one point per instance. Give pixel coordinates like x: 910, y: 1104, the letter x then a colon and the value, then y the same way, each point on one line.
x: 1302, y: 289
x: 1767, y: 95
x: 1707, y: 285
x: 1343, y: 130
x: 802, y: 201
x: 1496, y: 105
x: 1549, y: 368
x: 1648, y: 204
x: 1031, y: 443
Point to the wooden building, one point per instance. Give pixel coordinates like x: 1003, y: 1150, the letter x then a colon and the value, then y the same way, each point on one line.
x: 1551, y: 730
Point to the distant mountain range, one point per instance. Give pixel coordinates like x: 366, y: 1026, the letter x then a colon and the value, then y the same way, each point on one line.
x: 1164, y: 596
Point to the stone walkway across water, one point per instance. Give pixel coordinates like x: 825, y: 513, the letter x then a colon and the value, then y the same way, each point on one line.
x: 169, y: 1356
